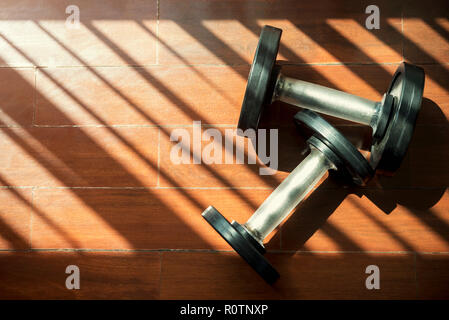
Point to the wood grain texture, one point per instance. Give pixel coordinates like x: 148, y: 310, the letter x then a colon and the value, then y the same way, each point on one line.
x: 137, y: 219
x: 328, y: 220
x: 425, y: 164
x: 36, y: 35
x: 371, y: 220
x: 140, y: 96
x: 432, y: 273
x: 426, y: 31
x: 305, y: 276
x: 17, y: 92
x: 88, y: 157
x: 102, y: 275
x: 435, y: 107
x: 226, y: 171
x: 313, y: 32
x: 15, y: 218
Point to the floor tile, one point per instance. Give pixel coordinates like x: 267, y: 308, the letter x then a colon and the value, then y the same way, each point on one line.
x: 313, y: 32
x: 105, y: 275
x: 109, y: 33
x: 79, y: 157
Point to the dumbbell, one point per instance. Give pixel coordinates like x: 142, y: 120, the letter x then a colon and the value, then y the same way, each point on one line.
x: 329, y: 150
x: 392, y: 119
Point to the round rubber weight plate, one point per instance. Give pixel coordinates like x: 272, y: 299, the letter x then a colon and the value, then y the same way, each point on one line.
x: 407, y: 89
x: 258, y: 86
x: 342, y: 172
x: 243, y: 247
x: 353, y: 160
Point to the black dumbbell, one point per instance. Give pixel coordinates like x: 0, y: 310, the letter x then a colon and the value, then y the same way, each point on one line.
x: 329, y: 150
x: 392, y: 119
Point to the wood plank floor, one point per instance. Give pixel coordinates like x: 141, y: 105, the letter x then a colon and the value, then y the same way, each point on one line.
x: 86, y: 116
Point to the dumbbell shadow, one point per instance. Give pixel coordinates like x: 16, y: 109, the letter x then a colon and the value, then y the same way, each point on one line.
x: 426, y: 165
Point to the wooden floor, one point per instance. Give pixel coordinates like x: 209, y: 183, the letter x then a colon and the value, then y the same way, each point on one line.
x: 86, y: 178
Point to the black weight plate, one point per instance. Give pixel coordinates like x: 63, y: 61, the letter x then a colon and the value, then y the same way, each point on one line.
x: 248, y: 236
x: 383, y: 118
x: 242, y: 246
x: 407, y: 89
x: 353, y: 160
x: 342, y: 171
x: 258, y: 87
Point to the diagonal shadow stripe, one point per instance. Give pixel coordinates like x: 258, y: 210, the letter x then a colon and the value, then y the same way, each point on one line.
x: 173, y: 97
x: 180, y: 57
x: 34, y: 209
x: 11, y: 236
x: 62, y: 176
x: 110, y: 129
x: 354, y: 69
x: 429, y: 72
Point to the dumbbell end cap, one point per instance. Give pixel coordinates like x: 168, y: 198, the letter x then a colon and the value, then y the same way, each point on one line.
x: 260, y: 85
x: 241, y: 245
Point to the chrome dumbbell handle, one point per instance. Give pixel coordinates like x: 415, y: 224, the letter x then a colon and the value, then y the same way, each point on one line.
x: 325, y: 100
x: 288, y: 194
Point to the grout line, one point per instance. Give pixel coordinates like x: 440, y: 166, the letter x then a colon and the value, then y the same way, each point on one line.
x: 220, y: 188
x: 340, y: 251
x: 221, y: 251
x: 204, y: 125
x: 114, y: 250
x: 358, y: 252
x: 18, y: 67
x: 16, y: 187
x: 220, y: 65
x: 148, y: 188
x: 128, y: 126
x: 129, y: 66
x: 206, y: 188
x: 339, y: 63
